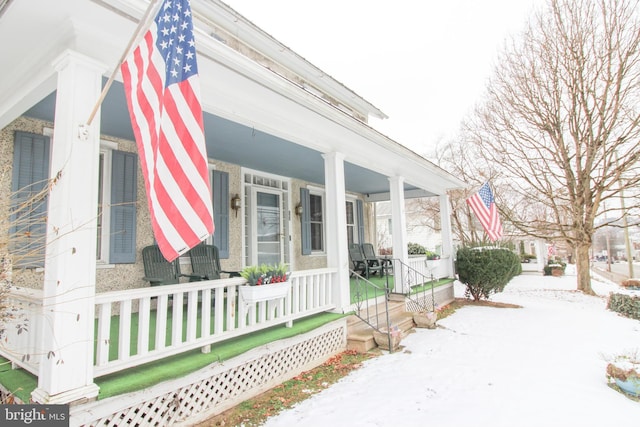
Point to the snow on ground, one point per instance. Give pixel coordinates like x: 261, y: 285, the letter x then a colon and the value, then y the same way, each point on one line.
x: 540, y: 365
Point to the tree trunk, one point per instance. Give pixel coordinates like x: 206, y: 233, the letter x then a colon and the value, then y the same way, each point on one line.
x: 583, y: 269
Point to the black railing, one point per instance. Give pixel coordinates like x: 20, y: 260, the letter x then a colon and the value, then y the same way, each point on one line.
x: 374, y: 314
x: 366, y: 301
x: 397, y: 278
x: 417, y: 287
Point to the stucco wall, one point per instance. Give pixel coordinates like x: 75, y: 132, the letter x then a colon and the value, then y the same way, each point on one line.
x: 110, y: 277
x: 300, y: 262
x: 129, y: 276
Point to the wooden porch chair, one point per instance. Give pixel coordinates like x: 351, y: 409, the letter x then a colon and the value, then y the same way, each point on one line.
x: 360, y: 264
x: 158, y: 271
x: 205, y: 262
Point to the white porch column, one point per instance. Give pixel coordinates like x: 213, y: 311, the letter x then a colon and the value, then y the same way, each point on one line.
x: 446, y: 234
x: 336, y: 232
x: 398, y: 220
x: 66, y: 369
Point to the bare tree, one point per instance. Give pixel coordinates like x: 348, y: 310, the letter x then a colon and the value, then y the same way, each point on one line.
x: 462, y: 160
x: 562, y: 124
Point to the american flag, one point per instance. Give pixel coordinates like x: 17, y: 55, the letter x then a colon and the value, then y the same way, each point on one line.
x: 162, y: 87
x: 484, y: 206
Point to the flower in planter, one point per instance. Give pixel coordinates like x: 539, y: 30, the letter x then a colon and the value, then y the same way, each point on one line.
x: 395, y: 332
x: 625, y: 371
x: 632, y: 284
x: 265, y: 274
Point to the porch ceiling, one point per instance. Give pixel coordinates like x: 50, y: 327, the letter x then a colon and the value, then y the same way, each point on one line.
x: 237, y: 144
x: 255, y: 116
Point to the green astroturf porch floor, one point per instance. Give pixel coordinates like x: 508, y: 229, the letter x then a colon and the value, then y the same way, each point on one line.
x: 379, y: 283
x: 21, y: 383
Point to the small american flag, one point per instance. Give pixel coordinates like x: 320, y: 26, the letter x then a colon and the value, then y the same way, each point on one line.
x: 163, y: 88
x: 484, y: 206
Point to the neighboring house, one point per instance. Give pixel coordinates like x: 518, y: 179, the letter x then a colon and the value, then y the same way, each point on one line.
x: 295, y: 169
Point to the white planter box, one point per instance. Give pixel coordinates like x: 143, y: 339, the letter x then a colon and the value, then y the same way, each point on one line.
x: 254, y: 294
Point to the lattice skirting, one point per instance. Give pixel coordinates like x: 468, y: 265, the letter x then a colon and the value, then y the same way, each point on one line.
x: 221, y: 386
x: 442, y: 295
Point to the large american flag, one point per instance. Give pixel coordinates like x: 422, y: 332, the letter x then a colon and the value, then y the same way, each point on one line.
x: 483, y: 205
x: 162, y: 87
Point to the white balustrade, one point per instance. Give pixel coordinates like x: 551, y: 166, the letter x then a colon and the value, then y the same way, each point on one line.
x: 141, y: 325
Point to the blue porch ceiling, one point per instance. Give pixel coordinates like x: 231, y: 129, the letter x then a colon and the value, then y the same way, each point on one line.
x: 235, y: 143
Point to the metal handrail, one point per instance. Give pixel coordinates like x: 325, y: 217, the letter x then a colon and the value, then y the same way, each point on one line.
x: 367, y: 306
x: 413, y: 284
x: 408, y: 281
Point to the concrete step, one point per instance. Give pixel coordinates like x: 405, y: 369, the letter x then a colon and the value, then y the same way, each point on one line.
x: 360, y: 334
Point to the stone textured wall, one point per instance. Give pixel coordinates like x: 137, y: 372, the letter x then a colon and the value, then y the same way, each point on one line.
x: 129, y: 276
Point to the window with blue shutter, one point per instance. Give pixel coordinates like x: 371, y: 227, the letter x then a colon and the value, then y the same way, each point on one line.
x: 29, y: 183
x: 305, y: 221
x: 124, y: 175
x: 221, y: 207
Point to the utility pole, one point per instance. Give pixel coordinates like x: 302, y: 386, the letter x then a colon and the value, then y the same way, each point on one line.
x: 608, y: 247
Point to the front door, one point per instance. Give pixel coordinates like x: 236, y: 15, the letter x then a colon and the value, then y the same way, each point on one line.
x: 268, y: 233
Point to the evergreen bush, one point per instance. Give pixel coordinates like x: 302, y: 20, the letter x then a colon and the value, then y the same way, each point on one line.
x: 627, y: 305
x: 485, y: 271
x: 416, y: 249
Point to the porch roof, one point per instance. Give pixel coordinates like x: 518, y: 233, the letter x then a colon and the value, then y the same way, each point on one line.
x: 269, y: 110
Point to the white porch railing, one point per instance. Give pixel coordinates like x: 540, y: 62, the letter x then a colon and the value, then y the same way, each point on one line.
x: 439, y: 268
x: 142, y: 325
x: 22, y: 337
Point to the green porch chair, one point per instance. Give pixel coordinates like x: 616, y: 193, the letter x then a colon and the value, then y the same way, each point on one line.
x: 158, y: 271
x: 374, y: 260
x: 205, y: 262
x: 360, y: 263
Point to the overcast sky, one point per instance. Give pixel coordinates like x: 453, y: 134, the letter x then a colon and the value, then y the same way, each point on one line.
x: 423, y: 63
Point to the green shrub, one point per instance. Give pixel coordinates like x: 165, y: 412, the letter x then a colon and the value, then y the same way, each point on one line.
x: 554, y: 263
x: 485, y: 271
x: 627, y: 305
x: 416, y: 249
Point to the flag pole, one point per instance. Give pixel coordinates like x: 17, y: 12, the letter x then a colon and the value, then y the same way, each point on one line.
x: 141, y: 25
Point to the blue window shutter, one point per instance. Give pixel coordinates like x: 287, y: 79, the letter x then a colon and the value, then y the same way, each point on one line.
x: 28, y: 219
x: 360, y: 215
x: 124, y: 186
x: 221, y: 212
x: 305, y: 222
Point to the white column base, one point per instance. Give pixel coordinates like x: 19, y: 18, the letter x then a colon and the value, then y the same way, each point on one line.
x: 77, y: 395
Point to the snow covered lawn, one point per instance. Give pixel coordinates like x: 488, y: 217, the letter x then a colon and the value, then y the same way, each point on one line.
x: 540, y: 365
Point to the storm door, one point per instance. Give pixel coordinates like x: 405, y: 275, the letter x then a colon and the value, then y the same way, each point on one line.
x: 268, y: 227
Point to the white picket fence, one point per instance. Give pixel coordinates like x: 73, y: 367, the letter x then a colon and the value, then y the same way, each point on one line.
x: 158, y: 322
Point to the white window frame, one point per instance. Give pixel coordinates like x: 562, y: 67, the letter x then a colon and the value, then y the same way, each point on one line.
x: 106, y: 150
x: 354, y: 201
x: 246, y: 194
